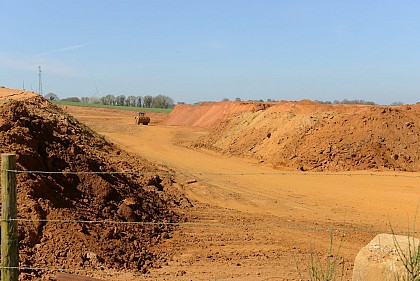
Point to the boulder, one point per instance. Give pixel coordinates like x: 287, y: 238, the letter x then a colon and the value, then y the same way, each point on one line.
x: 380, y: 259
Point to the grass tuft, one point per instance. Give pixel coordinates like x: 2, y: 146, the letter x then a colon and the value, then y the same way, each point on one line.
x: 325, y: 270
x: 410, y: 258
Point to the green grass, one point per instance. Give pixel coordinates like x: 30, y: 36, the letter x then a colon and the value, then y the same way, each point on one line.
x: 411, y: 257
x: 328, y: 269
x: 95, y: 105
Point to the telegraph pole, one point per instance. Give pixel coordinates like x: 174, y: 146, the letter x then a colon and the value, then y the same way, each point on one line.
x: 39, y: 81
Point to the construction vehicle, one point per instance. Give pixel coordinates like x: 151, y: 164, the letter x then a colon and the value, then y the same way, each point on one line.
x: 142, y: 119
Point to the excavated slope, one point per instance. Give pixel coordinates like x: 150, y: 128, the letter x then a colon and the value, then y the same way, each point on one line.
x: 45, y: 138
x: 209, y: 114
x: 314, y: 137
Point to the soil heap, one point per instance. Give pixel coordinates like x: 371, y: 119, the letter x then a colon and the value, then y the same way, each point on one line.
x: 209, y: 114
x: 45, y: 138
x: 310, y: 136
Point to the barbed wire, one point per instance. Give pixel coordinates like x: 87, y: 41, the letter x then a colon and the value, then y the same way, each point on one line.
x: 114, y: 272
x: 221, y: 225
x: 212, y: 173
x: 91, y: 271
x: 90, y: 172
x: 194, y: 224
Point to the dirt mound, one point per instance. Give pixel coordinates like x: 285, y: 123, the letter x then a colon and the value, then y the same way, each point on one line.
x: 6, y: 94
x: 209, y: 114
x: 313, y: 137
x: 45, y: 138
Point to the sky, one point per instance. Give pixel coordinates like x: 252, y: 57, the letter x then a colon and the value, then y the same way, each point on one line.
x: 208, y: 50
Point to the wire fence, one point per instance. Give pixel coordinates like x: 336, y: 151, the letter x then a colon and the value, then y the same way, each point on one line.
x: 189, y: 224
x: 220, y: 173
x: 217, y: 225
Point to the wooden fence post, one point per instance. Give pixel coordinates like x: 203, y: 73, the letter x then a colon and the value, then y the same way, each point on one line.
x: 9, y: 230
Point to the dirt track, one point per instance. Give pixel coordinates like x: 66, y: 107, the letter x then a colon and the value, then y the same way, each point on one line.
x: 254, y: 222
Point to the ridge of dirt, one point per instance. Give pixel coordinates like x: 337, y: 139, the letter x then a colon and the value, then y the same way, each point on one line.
x: 310, y: 136
x: 45, y: 138
x: 209, y: 114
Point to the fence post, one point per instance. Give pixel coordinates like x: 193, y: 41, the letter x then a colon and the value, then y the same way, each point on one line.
x: 9, y: 230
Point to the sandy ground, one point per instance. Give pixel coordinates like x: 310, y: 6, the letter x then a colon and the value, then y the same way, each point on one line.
x: 251, y: 222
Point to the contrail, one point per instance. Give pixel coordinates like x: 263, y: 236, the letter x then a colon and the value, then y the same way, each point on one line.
x: 64, y: 49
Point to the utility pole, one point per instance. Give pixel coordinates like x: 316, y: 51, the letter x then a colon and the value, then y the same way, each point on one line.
x: 39, y: 81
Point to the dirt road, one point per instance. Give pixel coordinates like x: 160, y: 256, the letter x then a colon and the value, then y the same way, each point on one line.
x: 251, y: 222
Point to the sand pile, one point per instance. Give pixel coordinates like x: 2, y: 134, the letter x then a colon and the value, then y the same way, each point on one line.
x: 47, y: 139
x: 314, y: 137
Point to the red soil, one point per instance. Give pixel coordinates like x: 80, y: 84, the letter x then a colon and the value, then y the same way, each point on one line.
x: 45, y: 138
x: 309, y: 136
x: 208, y: 115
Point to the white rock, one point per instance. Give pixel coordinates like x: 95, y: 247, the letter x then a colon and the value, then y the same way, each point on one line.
x: 379, y: 260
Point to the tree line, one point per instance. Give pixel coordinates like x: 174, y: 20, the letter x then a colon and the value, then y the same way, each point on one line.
x: 346, y: 101
x: 148, y: 101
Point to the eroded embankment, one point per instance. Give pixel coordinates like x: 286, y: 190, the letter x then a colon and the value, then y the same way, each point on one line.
x: 309, y: 136
x: 209, y: 114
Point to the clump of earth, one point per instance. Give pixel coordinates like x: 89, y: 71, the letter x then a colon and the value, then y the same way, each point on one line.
x: 54, y: 209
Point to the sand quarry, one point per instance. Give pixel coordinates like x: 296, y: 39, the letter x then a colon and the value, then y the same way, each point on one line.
x: 244, y: 191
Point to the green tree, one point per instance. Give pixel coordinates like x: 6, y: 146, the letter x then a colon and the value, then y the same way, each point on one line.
x: 51, y: 97
x: 71, y: 99
x: 120, y: 100
x: 108, y: 100
x: 147, y: 101
x: 130, y: 101
x: 138, y: 101
x: 162, y: 101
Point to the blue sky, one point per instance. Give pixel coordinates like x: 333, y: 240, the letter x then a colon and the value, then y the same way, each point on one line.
x: 199, y: 50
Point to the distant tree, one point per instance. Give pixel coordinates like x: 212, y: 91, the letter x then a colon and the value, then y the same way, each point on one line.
x: 323, y: 102
x: 130, y: 101
x: 162, y: 101
x: 94, y: 100
x: 120, y: 100
x: 346, y: 101
x: 238, y: 99
x: 84, y: 99
x: 51, y: 97
x: 71, y: 99
x: 147, y: 101
x: 108, y: 100
x: 225, y: 99
x: 397, y: 103
x: 138, y: 101
x: 180, y: 102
